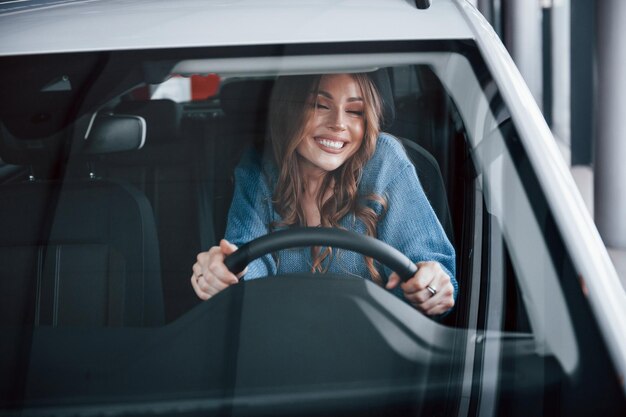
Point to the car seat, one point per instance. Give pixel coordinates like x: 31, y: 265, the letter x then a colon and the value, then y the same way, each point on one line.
x: 170, y: 170
x: 77, y: 251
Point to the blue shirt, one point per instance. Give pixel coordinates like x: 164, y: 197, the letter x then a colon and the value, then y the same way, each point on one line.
x: 409, y: 223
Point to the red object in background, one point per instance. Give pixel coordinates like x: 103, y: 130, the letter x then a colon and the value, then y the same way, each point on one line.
x: 141, y: 93
x: 204, y: 86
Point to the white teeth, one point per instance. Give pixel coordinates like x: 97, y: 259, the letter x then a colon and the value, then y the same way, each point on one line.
x: 331, y: 143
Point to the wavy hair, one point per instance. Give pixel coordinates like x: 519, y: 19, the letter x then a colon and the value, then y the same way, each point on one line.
x: 290, y: 111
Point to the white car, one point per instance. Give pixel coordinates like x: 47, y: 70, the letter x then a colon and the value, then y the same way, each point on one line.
x: 121, y: 123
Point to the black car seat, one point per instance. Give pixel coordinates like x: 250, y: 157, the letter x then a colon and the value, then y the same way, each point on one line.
x: 170, y: 170
x: 76, y: 251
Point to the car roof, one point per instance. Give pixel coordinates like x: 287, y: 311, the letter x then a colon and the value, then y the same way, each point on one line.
x: 48, y: 26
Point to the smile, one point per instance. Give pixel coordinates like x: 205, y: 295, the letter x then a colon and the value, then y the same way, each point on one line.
x: 329, y: 143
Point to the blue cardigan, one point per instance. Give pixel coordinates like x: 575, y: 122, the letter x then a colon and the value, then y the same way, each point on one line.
x: 409, y: 223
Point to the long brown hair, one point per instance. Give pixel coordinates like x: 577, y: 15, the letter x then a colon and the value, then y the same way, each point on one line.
x: 290, y: 110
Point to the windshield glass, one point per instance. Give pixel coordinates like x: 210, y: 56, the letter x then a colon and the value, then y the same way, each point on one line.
x: 121, y: 173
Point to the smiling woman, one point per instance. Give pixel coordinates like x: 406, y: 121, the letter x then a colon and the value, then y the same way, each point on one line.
x: 330, y: 166
x: 335, y: 129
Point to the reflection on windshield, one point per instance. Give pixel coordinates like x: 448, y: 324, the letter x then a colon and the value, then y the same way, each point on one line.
x: 107, y: 208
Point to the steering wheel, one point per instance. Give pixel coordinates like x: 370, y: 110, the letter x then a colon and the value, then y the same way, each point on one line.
x: 321, y: 236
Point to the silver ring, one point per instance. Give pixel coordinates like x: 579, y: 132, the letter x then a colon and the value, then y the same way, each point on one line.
x: 432, y: 290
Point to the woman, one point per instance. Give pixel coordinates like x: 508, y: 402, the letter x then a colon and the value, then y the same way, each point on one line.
x: 332, y: 167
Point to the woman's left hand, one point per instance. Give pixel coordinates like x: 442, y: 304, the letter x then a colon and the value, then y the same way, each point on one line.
x: 429, y: 290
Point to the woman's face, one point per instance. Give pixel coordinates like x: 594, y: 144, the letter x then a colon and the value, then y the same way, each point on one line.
x: 336, y: 126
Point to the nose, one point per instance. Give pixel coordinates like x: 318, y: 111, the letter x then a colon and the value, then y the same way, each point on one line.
x: 337, y: 120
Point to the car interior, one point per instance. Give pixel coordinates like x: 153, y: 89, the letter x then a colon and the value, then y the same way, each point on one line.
x: 107, y: 204
x: 108, y: 191
x: 176, y: 172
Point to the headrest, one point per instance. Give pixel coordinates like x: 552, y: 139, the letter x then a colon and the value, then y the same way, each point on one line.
x: 242, y: 97
x: 39, y: 151
x: 381, y: 79
x: 238, y: 97
x: 162, y: 118
x: 109, y: 133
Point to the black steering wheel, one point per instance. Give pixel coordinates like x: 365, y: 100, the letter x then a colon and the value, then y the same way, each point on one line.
x: 321, y: 236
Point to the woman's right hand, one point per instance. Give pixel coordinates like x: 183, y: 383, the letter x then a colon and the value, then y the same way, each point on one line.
x: 210, y: 275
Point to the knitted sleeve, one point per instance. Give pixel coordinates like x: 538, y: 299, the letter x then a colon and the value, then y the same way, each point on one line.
x: 411, y: 226
x: 249, y: 214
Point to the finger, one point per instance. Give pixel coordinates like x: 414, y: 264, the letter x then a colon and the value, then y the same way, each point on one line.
x: 210, y: 275
x: 415, y: 290
x: 420, y: 280
x: 418, y: 298
x: 196, y: 288
x: 227, y: 247
x: 204, y: 258
x: 222, y: 273
x: 418, y: 290
x: 215, y: 284
x: 212, y: 262
x: 393, y: 281
x: 443, y: 300
x: 427, y: 271
x: 212, y: 284
x: 445, y: 305
x: 204, y: 282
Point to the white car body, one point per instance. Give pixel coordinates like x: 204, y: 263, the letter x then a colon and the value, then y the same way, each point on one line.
x: 72, y: 27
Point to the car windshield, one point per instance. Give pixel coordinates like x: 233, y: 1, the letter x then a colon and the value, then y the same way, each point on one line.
x: 118, y: 168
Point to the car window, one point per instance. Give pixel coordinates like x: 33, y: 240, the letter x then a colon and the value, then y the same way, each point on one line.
x: 120, y: 178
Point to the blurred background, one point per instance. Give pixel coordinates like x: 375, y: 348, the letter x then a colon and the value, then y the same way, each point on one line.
x: 572, y: 54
